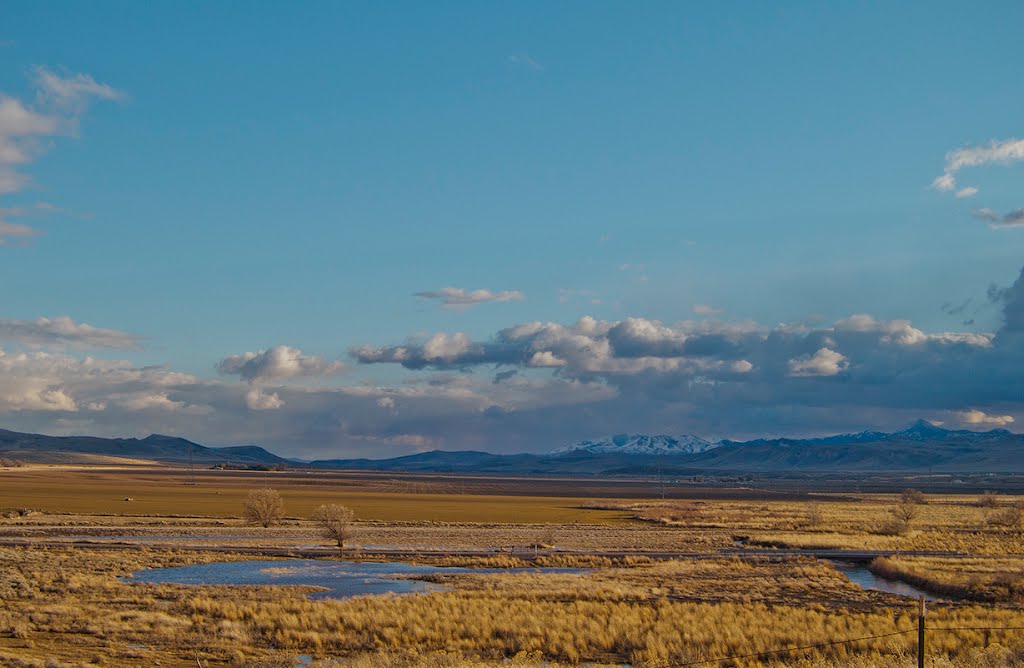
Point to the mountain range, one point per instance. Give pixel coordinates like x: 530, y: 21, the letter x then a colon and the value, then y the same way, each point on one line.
x: 93, y: 449
x: 922, y: 446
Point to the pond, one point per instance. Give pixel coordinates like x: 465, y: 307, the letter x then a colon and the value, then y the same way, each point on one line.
x: 860, y: 575
x: 338, y: 579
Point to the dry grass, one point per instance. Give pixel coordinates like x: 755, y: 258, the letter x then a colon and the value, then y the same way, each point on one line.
x: 69, y: 606
x: 989, y: 580
x: 946, y: 523
x: 156, y: 493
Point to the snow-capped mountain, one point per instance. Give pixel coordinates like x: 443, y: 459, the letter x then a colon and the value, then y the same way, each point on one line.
x: 640, y: 444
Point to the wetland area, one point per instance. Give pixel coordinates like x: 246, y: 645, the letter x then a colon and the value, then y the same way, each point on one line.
x: 492, y: 578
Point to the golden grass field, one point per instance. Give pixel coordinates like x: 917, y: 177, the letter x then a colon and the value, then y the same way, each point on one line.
x: 68, y: 606
x: 103, y: 491
x: 65, y: 606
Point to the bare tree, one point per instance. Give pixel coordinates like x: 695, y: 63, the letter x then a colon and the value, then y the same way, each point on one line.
x: 914, y: 496
x: 988, y: 500
x: 334, y: 522
x: 904, y: 514
x: 263, y: 506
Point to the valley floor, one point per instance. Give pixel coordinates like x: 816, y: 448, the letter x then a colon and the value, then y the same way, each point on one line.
x: 674, y: 581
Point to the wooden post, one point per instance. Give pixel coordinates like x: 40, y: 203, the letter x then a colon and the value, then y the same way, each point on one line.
x: 920, y: 632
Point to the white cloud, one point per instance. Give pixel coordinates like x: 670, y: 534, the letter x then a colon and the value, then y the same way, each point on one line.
x: 556, y: 382
x: 72, y: 92
x: 1002, y: 152
x: 824, y: 362
x: 60, y: 101
x: 969, y: 191
x: 741, y: 366
x: 41, y: 381
x: 459, y: 298
x: 945, y: 182
x: 545, y: 358
x: 158, y: 401
x: 976, y: 417
x: 704, y: 309
x: 277, y: 363
x: 65, y: 332
x: 258, y: 400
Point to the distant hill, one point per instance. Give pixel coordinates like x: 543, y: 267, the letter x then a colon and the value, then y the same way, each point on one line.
x: 640, y: 444
x: 155, y: 447
x: 920, y: 447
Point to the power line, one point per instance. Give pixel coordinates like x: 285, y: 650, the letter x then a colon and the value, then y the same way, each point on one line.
x: 848, y: 641
x: 976, y: 628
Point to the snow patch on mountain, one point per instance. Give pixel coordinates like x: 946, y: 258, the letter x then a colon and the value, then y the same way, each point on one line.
x: 641, y: 444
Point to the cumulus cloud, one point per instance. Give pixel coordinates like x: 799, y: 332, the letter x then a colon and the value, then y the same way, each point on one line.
x: 1002, y: 152
x: 964, y: 193
x: 158, y: 401
x: 976, y: 417
x: 41, y: 381
x: 538, y: 385
x: 1012, y: 301
x: 638, y: 345
x: 459, y: 298
x: 258, y: 400
x: 545, y: 358
x: 63, y: 331
x: 823, y: 362
x: 276, y: 363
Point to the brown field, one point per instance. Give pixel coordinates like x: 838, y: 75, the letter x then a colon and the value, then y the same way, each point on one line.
x: 63, y: 605
x: 161, y: 492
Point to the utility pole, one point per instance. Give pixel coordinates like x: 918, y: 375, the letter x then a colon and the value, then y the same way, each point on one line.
x: 920, y: 632
x: 661, y: 473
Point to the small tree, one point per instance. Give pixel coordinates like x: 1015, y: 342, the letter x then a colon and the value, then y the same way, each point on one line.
x: 914, y: 496
x: 263, y: 507
x: 334, y: 522
x: 903, y: 514
x: 988, y: 500
x: 1009, y: 517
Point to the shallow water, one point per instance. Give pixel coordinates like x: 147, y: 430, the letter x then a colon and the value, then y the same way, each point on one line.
x: 860, y: 575
x: 339, y: 579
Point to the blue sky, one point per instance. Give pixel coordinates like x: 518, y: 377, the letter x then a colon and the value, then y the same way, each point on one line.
x: 203, y: 182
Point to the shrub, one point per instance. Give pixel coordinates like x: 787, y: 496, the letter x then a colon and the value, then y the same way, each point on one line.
x: 988, y: 500
x: 913, y: 496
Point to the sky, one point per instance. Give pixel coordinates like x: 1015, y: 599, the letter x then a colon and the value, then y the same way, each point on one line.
x: 370, y: 229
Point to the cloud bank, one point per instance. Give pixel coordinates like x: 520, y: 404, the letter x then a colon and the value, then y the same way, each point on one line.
x: 533, y: 386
